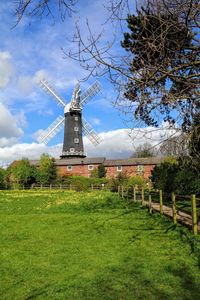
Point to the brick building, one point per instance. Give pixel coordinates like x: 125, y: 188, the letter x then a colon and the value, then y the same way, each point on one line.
x: 84, y: 166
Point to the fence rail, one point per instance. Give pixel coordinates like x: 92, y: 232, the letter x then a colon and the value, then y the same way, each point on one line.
x: 59, y: 187
x: 180, y: 208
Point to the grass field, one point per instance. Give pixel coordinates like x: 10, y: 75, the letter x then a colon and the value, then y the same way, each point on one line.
x: 79, y: 245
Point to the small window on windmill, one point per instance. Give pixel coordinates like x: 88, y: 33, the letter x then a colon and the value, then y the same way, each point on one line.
x: 75, y: 128
x: 140, y: 169
x: 69, y: 168
x: 76, y: 118
x: 71, y: 149
x: 76, y: 141
x: 90, y: 167
x: 119, y: 168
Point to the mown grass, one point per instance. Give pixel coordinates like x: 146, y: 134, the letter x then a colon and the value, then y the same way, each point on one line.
x: 91, y: 245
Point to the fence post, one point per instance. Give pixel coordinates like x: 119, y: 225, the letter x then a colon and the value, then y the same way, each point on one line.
x: 122, y: 191
x: 40, y: 186
x: 50, y: 186
x: 150, y: 207
x: 118, y: 190
x: 174, y: 208
x: 134, y: 194
x: 142, y: 203
x: 92, y: 187
x: 127, y: 190
x: 161, y: 201
x: 194, y: 215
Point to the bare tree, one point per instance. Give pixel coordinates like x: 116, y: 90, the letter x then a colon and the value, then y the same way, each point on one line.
x: 39, y: 8
x: 175, y: 146
x: 145, y: 150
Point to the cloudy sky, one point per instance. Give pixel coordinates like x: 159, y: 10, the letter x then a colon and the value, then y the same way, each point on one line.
x: 29, y: 52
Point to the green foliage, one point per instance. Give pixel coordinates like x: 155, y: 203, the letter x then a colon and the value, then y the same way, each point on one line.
x: 101, y: 171
x: 144, y: 151
x: 187, y: 180
x: 138, y: 181
x: 2, y: 178
x: 120, y: 179
x: 22, y: 173
x: 94, y: 173
x: 81, y: 183
x: 163, y: 176
x: 47, y: 169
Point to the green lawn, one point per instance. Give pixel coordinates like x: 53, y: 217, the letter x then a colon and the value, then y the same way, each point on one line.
x: 78, y: 245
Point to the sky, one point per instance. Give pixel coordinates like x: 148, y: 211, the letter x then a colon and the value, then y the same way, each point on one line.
x: 32, y: 51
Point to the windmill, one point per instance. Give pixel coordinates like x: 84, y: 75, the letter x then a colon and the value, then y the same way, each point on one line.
x: 74, y: 124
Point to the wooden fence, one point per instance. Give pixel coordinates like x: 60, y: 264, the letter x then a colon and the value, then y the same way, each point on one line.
x: 171, y: 205
x: 75, y: 187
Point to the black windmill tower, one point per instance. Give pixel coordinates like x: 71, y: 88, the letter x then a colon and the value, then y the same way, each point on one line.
x: 74, y: 124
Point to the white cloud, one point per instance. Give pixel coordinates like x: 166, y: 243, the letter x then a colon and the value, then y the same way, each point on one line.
x: 119, y: 143
x: 6, y: 69
x: 30, y: 151
x: 9, y: 131
x: 122, y: 143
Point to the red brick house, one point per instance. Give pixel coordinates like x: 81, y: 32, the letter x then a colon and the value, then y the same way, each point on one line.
x: 84, y: 166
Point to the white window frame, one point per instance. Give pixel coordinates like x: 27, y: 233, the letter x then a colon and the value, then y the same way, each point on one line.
x: 76, y: 129
x: 90, y: 167
x: 76, y: 141
x: 140, y: 168
x: 119, y: 168
x: 69, y: 168
x: 76, y: 118
x: 72, y: 149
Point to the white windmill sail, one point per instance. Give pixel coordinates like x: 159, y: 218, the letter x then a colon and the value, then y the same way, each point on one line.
x: 90, y: 93
x: 52, y: 130
x: 90, y: 133
x: 50, y: 90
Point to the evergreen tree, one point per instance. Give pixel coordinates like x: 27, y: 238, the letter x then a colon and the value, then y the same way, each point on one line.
x: 101, y: 171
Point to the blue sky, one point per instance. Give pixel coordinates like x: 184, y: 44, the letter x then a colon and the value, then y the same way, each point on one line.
x: 29, y: 52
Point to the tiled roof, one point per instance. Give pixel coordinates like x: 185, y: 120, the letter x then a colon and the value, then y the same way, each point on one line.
x: 75, y: 161
x: 79, y: 161
x: 106, y: 162
x: 133, y: 161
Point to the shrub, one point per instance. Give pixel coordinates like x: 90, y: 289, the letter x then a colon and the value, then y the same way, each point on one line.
x: 163, y: 176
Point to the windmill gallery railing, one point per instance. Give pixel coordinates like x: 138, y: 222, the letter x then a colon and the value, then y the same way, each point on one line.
x: 180, y: 208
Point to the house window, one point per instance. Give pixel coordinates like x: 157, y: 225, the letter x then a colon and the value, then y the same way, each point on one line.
x: 71, y: 149
x: 90, y: 167
x: 75, y: 128
x: 119, y: 168
x: 76, y: 141
x: 69, y: 168
x: 140, y: 169
x: 76, y: 118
